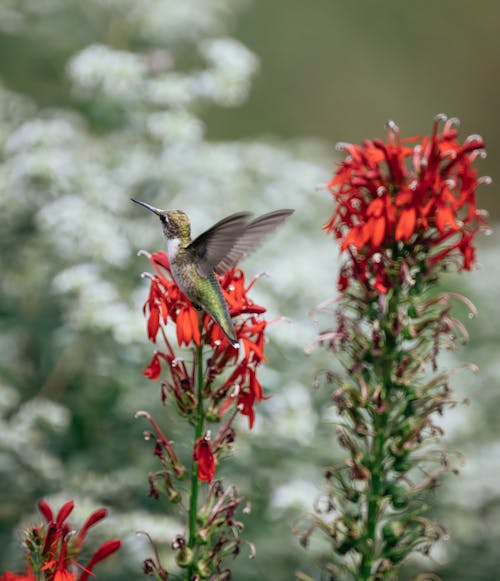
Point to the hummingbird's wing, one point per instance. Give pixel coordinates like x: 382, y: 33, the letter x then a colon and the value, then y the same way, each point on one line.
x: 211, y: 246
x: 225, y: 244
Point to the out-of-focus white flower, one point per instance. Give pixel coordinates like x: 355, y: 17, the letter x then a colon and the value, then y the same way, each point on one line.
x: 227, y: 81
x: 22, y: 438
x: 172, y: 22
x: 82, y: 230
x: 115, y: 73
x: 175, y: 127
x: 96, y: 303
x: 170, y: 90
x: 37, y: 133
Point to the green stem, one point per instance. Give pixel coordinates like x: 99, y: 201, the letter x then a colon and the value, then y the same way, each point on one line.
x: 198, y: 432
x: 377, y: 453
x: 374, y: 498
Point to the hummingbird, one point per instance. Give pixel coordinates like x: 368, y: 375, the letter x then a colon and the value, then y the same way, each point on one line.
x: 194, y: 263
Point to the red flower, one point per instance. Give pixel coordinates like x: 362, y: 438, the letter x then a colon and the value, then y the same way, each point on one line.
x: 415, y: 192
x: 166, y: 303
x: 55, y: 551
x: 188, y: 328
x: 153, y: 370
x: 206, y: 461
x: 246, y: 401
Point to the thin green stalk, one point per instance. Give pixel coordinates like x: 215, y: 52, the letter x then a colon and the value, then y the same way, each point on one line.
x: 380, y: 424
x: 198, y: 432
x: 374, y: 498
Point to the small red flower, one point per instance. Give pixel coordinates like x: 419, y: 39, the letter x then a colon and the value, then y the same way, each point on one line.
x: 206, y: 460
x: 55, y: 551
x: 153, y: 371
x: 187, y: 326
x: 246, y: 401
x: 414, y: 192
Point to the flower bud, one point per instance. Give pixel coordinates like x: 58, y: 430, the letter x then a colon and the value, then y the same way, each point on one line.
x: 408, y: 332
x: 412, y: 311
x: 402, y: 463
x: 400, y: 495
x: 212, y: 415
x: 392, y: 532
x: 204, y: 568
x: 397, y: 553
x: 202, y: 536
x: 184, y: 557
x: 346, y: 545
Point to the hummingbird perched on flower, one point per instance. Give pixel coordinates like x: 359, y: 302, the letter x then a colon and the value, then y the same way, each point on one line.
x: 194, y: 263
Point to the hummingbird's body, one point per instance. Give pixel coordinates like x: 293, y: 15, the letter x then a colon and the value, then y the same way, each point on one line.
x: 203, y: 291
x: 195, y: 262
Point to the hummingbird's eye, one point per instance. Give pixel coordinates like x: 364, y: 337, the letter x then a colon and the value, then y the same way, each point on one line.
x: 163, y: 219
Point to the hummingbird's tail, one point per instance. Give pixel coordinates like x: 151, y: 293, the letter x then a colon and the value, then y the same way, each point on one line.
x: 227, y: 327
x: 230, y: 333
x: 225, y: 324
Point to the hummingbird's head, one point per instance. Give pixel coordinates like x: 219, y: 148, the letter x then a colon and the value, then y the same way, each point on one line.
x: 175, y: 223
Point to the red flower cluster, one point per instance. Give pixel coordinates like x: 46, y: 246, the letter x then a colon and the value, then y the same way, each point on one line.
x: 416, y: 193
x: 166, y: 303
x: 53, y: 548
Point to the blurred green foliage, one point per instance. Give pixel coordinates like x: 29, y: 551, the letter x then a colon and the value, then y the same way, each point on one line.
x: 101, y: 100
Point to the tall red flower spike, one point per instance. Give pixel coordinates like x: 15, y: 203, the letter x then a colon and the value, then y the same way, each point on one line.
x: 405, y: 212
x: 212, y: 384
x: 415, y: 193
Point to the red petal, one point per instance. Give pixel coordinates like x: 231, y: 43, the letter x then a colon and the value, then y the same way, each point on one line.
x: 355, y: 237
x: 375, y: 208
x: 153, y: 370
x: 161, y: 258
x: 406, y: 224
x: 445, y: 219
x: 94, y: 518
x: 64, y: 512
x: 378, y: 231
x: 153, y: 323
x: 206, y: 461
x: 46, y: 511
x: 246, y: 400
x: 183, y: 329
x: 255, y: 386
x: 195, y: 325
x: 27, y: 576
x: 250, y: 346
x: 104, y: 551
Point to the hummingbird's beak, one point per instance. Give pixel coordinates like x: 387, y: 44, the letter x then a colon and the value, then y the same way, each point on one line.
x: 148, y: 206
